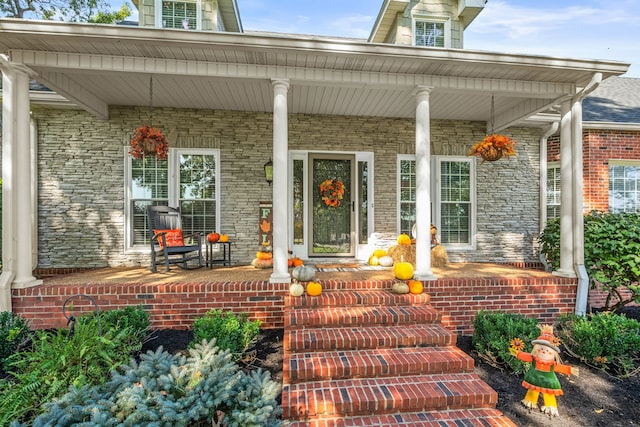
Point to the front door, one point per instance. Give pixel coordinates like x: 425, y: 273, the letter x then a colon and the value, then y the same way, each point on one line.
x: 331, y: 217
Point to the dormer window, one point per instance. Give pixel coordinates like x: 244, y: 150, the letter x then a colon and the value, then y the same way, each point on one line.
x: 431, y: 33
x: 180, y: 14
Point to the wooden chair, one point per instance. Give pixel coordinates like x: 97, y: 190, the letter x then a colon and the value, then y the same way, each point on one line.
x: 167, y: 240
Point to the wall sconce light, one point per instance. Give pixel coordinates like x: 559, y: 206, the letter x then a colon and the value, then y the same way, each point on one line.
x: 268, y: 172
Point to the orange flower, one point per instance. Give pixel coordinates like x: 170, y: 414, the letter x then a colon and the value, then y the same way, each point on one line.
x: 517, y: 343
x: 494, y: 147
x: 148, y: 141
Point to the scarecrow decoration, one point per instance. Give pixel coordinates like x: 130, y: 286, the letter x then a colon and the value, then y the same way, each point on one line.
x: 541, y: 377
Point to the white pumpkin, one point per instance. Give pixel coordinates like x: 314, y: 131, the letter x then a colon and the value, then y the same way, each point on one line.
x: 386, y: 261
x: 303, y: 273
x: 296, y: 289
x: 400, y: 288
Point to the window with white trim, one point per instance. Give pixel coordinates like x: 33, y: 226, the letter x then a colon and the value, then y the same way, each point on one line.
x: 180, y: 14
x: 453, y: 198
x: 430, y: 33
x: 553, y: 190
x: 188, y: 179
x: 624, y: 186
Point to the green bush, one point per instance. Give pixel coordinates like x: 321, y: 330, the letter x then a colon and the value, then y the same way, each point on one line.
x: 493, y: 332
x: 14, y: 331
x: 204, y: 388
x: 611, y: 252
x: 233, y: 332
x: 58, y: 359
x: 607, y: 341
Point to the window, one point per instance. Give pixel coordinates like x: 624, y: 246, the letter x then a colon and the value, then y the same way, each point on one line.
x: 194, y: 190
x: 453, y: 201
x: 624, y: 186
x: 180, y: 14
x: 553, y: 191
x: 430, y: 33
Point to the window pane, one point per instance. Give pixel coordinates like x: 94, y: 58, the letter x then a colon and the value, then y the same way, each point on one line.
x: 624, y: 188
x: 553, y: 192
x: 455, y: 200
x: 149, y: 186
x: 298, y: 202
x: 363, y: 178
x: 197, y: 195
x: 430, y: 34
x: 407, y: 195
x: 179, y: 15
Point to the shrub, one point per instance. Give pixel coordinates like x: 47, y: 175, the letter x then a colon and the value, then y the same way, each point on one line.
x: 203, y: 388
x: 493, y: 332
x: 611, y: 251
x: 607, y: 341
x: 233, y: 332
x: 58, y: 359
x: 14, y: 331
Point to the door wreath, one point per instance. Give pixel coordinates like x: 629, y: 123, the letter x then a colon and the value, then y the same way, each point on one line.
x: 332, y: 192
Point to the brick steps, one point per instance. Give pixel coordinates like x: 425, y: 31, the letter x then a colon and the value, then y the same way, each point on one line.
x: 368, y: 357
x: 331, y: 365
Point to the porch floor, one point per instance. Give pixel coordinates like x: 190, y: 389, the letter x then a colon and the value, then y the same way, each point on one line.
x: 242, y: 273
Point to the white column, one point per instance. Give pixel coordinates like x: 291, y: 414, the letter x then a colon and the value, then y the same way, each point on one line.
x: 280, y: 207
x: 423, y: 185
x: 578, y: 182
x: 566, y: 196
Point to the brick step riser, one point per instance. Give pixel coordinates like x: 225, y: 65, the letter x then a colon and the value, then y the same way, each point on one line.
x: 360, y: 316
x: 352, y: 297
x: 389, y: 395
x: 467, y: 418
x: 362, y: 338
x: 374, y: 363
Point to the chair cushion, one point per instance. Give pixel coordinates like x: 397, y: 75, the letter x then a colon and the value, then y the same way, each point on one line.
x: 173, y: 237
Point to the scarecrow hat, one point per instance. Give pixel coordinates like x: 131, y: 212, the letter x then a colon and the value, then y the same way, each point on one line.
x: 547, y: 338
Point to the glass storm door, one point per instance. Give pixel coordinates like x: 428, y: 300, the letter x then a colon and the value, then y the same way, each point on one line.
x: 331, y: 217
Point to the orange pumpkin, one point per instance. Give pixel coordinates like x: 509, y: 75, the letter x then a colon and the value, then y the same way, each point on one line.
x: 213, y: 237
x: 289, y: 263
x: 224, y: 238
x: 264, y: 255
x: 415, y: 286
x: 297, y: 262
x: 314, y: 289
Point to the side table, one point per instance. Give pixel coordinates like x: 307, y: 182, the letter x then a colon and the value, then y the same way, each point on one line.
x: 226, y: 254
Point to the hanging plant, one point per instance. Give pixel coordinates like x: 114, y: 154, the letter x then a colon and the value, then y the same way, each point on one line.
x: 148, y: 141
x: 332, y: 192
x: 494, y: 147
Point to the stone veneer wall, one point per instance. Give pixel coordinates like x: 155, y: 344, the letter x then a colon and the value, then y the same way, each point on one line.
x: 82, y: 189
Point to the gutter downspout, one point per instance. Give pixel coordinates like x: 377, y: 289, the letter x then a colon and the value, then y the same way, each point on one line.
x: 552, y: 129
x: 578, y: 194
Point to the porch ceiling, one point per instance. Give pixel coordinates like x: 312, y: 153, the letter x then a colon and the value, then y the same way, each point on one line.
x: 98, y: 66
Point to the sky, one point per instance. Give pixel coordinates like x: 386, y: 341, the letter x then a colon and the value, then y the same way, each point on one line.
x: 580, y: 29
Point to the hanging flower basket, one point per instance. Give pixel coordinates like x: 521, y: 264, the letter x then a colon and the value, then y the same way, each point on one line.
x: 148, y: 141
x: 493, y: 147
x: 332, y: 192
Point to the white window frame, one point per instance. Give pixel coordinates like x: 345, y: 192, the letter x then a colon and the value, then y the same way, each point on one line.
x: 552, y: 166
x: 436, y: 19
x: 436, y: 196
x: 158, y: 14
x: 173, y: 159
x: 623, y: 163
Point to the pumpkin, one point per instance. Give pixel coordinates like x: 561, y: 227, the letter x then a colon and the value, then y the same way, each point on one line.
x: 262, y: 263
x: 303, y: 273
x: 415, y: 286
x: 264, y: 255
x: 314, y: 289
x: 403, y: 271
x: 386, y: 261
x: 400, y: 288
x: 289, y: 263
x: 224, y: 238
x: 296, y: 289
x: 379, y: 253
x: 297, y: 262
x: 404, y: 239
x: 213, y: 237
x: 373, y: 260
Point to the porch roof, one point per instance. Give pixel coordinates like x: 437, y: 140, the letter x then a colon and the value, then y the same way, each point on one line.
x: 95, y: 66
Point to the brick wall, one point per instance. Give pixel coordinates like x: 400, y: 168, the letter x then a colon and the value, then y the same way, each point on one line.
x: 177, y: 305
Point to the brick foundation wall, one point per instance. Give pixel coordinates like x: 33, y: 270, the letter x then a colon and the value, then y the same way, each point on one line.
x: 176, y: 306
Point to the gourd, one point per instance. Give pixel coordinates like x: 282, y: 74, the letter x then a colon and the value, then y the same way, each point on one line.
x: 403, y: 271
x: 379, y: 253
x: 404, y: 239
x: 303, y: 273
x: 400, y: 288
x: 213, y: 237
x: 296, y: 289
x: 289, y: 263
x: 415, y: 286
x: 264, y: 255
x: 314, y: 289
x: 373, y: 260
x: 262, y: 263
x: 386, y: 261
x: 297, y: 262
x: 224, y: 238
